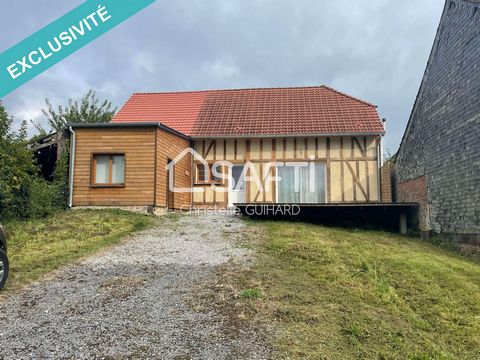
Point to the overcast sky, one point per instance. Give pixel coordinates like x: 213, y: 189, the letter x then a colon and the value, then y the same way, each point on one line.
x: 373, y: 49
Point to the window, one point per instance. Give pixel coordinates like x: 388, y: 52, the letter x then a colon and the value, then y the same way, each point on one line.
x: 108, y: 170
x: 308, y: 188
x: 202, y: 173
x: 205, y: 174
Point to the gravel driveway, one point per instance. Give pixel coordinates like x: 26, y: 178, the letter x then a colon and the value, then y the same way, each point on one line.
x: 132, y: 301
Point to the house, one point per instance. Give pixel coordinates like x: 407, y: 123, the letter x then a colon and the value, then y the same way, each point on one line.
x: 438, y: 163
x: 218, y: 148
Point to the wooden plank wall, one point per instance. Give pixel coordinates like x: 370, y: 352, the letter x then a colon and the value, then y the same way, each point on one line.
x: 168, y: 147
x: 351, y: 162
x: 138, y: 144
x: 145, y: 149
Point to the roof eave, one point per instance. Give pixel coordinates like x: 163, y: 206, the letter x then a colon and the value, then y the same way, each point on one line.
x: 201, y: 137
x: 128, y: 125
x: 256, y: 136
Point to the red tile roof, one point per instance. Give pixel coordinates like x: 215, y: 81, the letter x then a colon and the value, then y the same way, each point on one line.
x: 253, y: 112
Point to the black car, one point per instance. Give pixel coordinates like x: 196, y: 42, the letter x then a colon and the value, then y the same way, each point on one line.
x: 3, y: 258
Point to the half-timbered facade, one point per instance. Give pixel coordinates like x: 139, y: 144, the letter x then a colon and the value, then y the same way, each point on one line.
x: 289, y: 145
x: 347, y: 168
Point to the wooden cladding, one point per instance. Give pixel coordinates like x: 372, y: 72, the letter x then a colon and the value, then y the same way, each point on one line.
x: 138, y: 145
x: 169, y: 146
x: 146, y: 152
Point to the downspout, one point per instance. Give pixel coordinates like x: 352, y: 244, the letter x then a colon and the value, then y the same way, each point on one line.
x: 72, y: 167
x: 382, y: 144
x: 381, y: 151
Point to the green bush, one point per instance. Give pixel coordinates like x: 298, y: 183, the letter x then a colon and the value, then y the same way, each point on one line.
x: 16, y: 168
x: 23, y: 194
x: 60, y: 182
x: 42, y: 199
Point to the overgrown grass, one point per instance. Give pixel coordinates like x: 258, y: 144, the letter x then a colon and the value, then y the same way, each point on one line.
x: 36, y: 247
x: 348, y: 294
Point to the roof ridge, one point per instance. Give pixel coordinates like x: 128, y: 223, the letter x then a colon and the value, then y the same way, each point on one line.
x: 235, y: 89
x: 256, y: 89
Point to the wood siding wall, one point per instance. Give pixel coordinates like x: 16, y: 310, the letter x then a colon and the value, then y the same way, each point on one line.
x: 386, y: 182
x: 169, y: 146
x: 145, y: 149
x: 138, y: 145
x: 351, y: 165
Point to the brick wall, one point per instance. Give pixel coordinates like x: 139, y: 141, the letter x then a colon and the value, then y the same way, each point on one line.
x: 415, y: 191
x: 442, y: 141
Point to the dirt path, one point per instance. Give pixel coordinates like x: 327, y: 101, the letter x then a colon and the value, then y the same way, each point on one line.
x: 132, y: 301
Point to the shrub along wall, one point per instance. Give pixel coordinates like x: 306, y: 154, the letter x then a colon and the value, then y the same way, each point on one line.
x: 23, y: 193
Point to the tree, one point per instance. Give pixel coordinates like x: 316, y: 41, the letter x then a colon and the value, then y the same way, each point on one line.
x: 17, y: 168
x: 88, y: 110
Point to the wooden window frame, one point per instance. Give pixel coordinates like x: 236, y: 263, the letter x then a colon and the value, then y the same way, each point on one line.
x: 93, y: 170
x: 197, y: 174
x: 210, y: 179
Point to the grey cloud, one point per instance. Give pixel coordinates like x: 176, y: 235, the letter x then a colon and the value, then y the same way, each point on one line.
x: 376, y: 50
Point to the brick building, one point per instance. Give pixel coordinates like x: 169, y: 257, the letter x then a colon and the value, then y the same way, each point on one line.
x: 438, y: 163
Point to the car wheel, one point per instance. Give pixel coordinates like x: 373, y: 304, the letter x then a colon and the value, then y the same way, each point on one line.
x: 3, y: 268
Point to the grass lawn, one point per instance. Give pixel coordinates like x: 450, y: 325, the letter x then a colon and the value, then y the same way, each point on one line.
x: 36, y: 247
x: 354, y: 294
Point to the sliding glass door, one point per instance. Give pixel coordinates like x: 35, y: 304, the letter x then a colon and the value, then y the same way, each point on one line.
x: 302, y: 185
